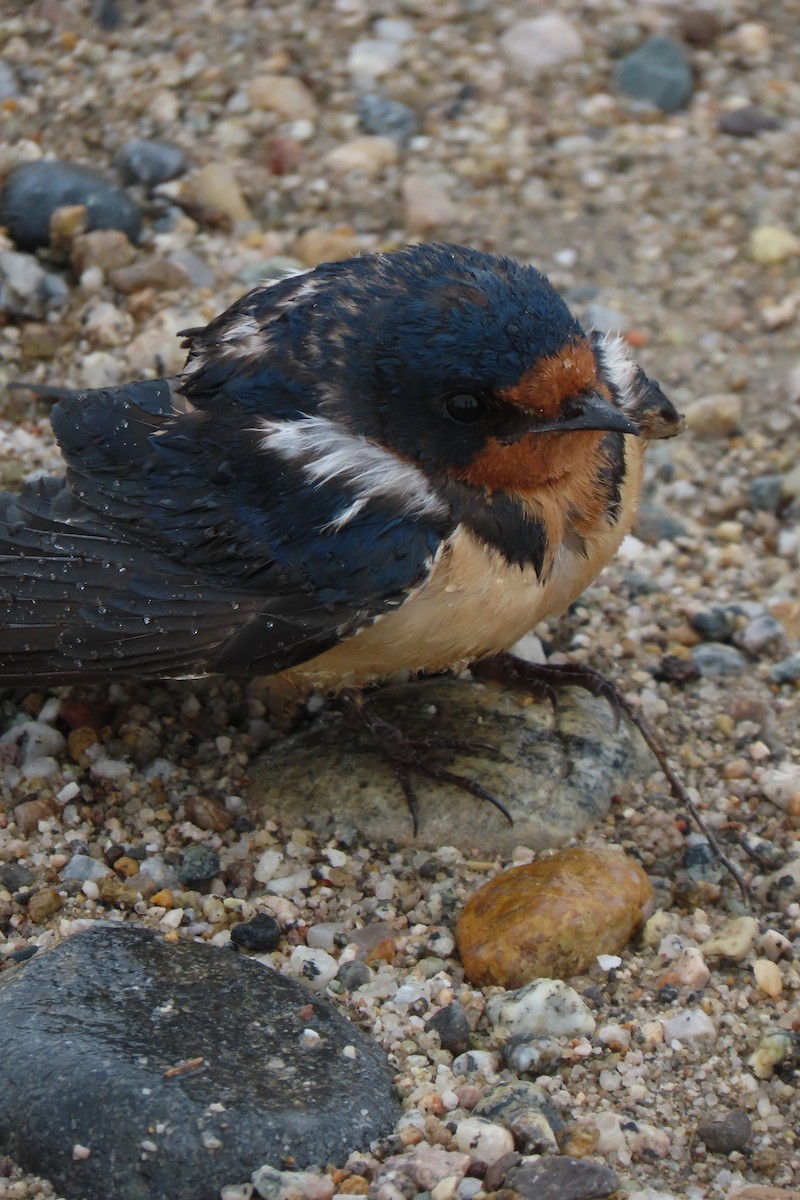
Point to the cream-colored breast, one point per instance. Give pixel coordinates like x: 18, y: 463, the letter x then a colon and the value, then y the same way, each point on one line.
x: 472, y: 604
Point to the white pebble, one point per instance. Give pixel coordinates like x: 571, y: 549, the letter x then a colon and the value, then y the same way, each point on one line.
x: 768, y: 977
x: 692, y: 1025
x: 477, y: 1062
x: 546, y: 1006
x: 286, y: 885
x: 613, y: 1035
x: 536, y: 43
x: 734, y: 940
x: 781, y: 786
x: 39, y: 768
x: 313, y: 968
x: 109, y: 768
x: 337, y: 858
x: 36, y: 739
x: 482, y: 1140
x: 49, y: 710
x: 322, y: 936
x: 609, y: 962
x: 446, y: 1188
x: 267, y: 865
x: 370, y: 58
x: 68, y: 792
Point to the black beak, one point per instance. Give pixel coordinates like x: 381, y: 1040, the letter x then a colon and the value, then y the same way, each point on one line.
x: 590, y: 411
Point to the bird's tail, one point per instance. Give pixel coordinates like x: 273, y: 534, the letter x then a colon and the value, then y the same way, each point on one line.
x: 77, y: 604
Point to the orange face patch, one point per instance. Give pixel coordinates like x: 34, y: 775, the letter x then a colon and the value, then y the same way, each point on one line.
x: 544, y: 388
x: 534, y: 462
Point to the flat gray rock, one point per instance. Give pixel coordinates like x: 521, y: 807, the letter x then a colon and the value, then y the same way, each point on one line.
x: 178, y: 1068
x: 555, y: 775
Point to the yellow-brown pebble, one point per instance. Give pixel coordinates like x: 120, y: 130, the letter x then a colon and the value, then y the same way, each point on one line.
x: 126, y: 866
x: 552, y: 918
x: 113, y: 891
x: 43, y: 904
x: 79, y: 741
x: 163, y: 899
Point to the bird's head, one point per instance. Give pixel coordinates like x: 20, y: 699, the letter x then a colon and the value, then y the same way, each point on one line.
x: 467, y: 365
x: 458, y: 360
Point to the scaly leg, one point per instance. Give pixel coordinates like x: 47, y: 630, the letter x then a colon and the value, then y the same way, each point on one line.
x: 543, y: 679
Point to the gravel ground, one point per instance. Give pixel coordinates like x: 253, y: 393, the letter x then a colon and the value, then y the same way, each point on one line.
x: 663, y: 225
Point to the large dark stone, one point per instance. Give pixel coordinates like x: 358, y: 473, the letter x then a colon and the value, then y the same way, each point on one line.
x: 33, y: 191
x: 95, y: 1036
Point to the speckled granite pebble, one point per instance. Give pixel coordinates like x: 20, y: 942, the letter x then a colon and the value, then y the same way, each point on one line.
x: 556, y: 775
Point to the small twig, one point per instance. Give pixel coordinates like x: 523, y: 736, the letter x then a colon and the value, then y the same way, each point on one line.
x: 680, y: 793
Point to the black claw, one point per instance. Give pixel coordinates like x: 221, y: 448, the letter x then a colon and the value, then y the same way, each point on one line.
x: 407, y: 754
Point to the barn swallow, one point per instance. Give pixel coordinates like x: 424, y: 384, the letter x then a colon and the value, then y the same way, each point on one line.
x: 403, y: 461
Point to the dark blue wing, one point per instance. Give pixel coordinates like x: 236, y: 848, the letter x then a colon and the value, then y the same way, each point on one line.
x: 179, y: 545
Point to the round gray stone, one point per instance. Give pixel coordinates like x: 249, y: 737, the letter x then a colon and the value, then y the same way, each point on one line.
x: 179, y: 1068
x: 555, y: 773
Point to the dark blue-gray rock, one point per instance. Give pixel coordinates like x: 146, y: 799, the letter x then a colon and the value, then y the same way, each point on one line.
x: 353, y: 974
x: 379, y: 115
x: 658, y: 72
x: 149, y: 162
x: 713, y: 624
x: 262, y: 933
x: 786, y: 671
x: 715, y: 660
x: 561, y: 1178
x: 766, y: 492
x: 452, y: 1026
x: 729, y: 1133
x: 33, y: 191
x: 200, y: 864
x: 179, y: 1068
x: 747, y: 121
x: 107, y: 14
x: 654, y: 525
x: 555, y: 772
x: 27, y: 290
x: 15, y: 875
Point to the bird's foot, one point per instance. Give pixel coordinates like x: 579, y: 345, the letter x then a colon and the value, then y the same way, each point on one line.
x: 544, y: 680
x: 411, y: 754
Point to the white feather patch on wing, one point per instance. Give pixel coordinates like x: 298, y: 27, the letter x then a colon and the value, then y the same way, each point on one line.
x: 325, y: 451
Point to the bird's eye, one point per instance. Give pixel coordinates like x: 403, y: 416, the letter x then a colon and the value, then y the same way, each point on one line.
x: 465, y: 408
